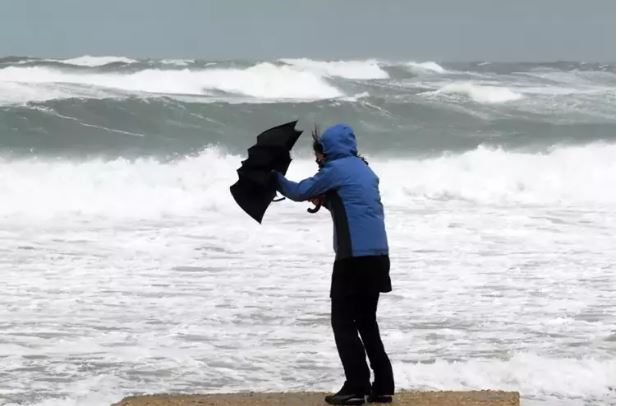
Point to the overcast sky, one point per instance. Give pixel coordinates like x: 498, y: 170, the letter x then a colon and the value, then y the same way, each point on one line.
x: 440, y: 30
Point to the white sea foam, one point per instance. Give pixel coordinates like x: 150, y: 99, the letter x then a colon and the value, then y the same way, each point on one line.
x: 481, y: 93
x: 264, y: 81
x: 177, y: 62
x: 425, y: 67
x: 92, y: 61
x: 150, y: 189
x: 142, y: 276
x: 566, y: 175
x: 368, y: 69
x: 20, y: 93
x: 127, y: 276
x: 534, y: 376
x: 557, y: 380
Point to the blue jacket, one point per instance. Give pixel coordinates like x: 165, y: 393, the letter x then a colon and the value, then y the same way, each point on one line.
x: 352, y: 195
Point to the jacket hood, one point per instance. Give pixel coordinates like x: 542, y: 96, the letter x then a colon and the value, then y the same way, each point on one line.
x: 339, y: 141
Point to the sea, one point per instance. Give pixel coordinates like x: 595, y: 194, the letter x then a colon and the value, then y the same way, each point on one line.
x: 126, y: 267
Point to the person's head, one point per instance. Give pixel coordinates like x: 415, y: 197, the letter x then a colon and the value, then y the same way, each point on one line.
x: 318, y: 149
x: 337, y: 141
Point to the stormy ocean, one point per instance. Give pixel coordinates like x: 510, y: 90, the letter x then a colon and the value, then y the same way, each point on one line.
x: 126, y: 267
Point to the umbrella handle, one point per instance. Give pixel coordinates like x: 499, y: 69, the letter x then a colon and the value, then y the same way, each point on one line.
x: 315, y: 209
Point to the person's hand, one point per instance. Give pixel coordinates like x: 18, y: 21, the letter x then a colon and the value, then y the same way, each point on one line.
x: 317, y: 200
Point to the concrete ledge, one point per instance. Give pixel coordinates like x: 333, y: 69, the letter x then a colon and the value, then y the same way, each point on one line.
x: 447, y: 398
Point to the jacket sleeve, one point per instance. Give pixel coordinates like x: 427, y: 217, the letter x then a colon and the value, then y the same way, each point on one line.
x: 319, y: 183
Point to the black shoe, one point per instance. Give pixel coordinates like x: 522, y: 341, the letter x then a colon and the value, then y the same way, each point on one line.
x: 346, y: 397
x: 375, y: 398
x: 379, y: 395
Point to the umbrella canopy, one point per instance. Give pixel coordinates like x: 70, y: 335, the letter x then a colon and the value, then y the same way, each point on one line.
x: 255, y: 188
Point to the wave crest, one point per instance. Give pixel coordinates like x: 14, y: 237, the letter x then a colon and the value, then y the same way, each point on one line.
x: 571, y: 175
x: 265, y: 81
x: 364, y: 70
x: 92, y: 61
x: 481, y: 93
x: 425, y: 67
x: 148, y: 188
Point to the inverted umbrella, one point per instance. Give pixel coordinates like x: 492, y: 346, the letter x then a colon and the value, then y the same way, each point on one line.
x: 256, y: 188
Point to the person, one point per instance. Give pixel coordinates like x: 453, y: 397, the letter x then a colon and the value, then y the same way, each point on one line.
x: 348, y: 188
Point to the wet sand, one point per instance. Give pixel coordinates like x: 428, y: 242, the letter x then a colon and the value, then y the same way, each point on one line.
x: 447, y: 398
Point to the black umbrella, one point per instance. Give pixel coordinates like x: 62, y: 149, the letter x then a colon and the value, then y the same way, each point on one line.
x: 255, y: 188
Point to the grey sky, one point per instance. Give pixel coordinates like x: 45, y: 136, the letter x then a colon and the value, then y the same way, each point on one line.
x: 441, y: 30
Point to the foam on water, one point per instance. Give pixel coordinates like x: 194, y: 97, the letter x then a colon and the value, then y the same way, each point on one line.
x: 535, y: 376
x: 481, y: 93
x: 425, y: 67
x: 125, y: 276
x: 264, y: 81
x: 149, y: 188
x: 91, y: 61
x: 558, y: 95
x: 369, y: 69
x: 177, y: 62
x: 564, y: 176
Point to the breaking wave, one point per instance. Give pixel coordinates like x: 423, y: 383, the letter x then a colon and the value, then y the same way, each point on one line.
x: 147, y: 187
x: 366, y: 70
x: 425, y: 67
x: 264, y: 81
x: 481, y: 93
x: 88, y: 60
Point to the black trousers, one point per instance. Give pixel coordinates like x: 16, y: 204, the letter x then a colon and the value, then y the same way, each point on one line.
x: 353, y: 318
